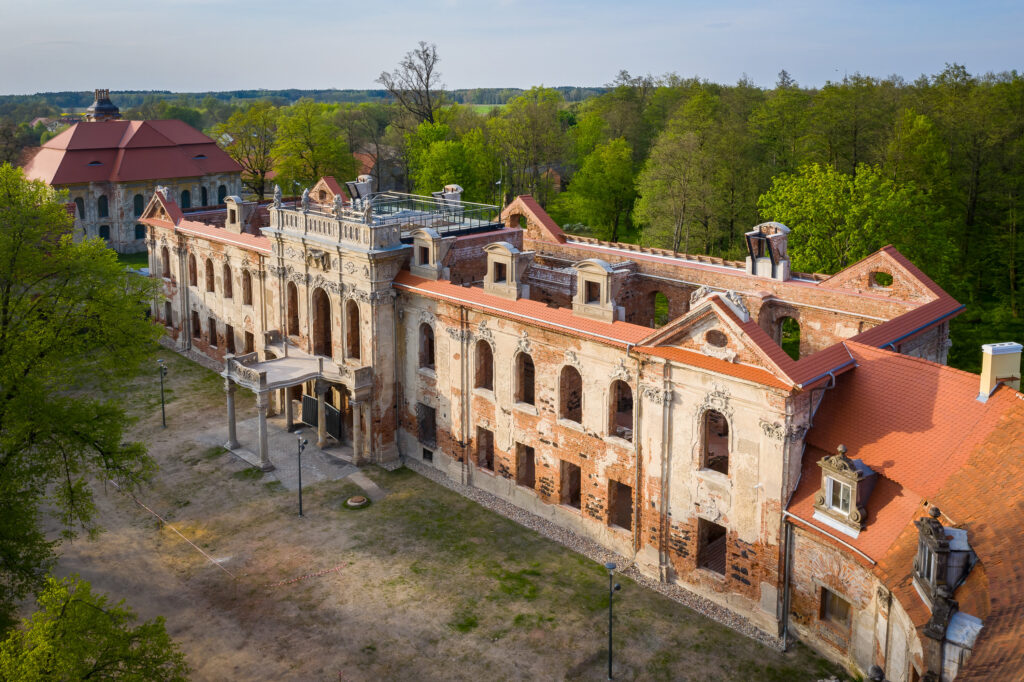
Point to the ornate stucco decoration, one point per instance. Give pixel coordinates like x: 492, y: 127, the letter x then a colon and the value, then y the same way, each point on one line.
x: 524, y: 343
x: 277, y: 196
x: 324, y: 283
x: 656, y: 394
x: 298, y: 277
x: 777, y: 431
x: 295, y: 254
x: 350, y: 267
x: 458, y: 334
x: 717, y: 400
x: 702, y: 292
x: 571, y: 358
x: 723, y: 353
x: 845, y: 486
x: 316, y: 257
x: 426, y: 317
x: 620, y: 371
x: 484, y: 332
x: 737, y: 304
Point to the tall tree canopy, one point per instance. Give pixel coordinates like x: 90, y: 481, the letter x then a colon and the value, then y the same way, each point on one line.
x: 249, y: 136
x: 72, y: 328
x: 416, y: 83
x: 310, y: 145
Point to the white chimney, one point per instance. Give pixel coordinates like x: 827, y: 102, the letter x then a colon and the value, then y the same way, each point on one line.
x: 1000, y: 363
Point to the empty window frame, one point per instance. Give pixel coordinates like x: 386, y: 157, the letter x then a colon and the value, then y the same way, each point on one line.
x: 485, y: 448
x: 422, y: 255
x: 105, y: 232
x: 426, y: 421
x: 250, y: 343
x: 228, y: 288
x: 484, y: 374
x: 716, y: 442
x: 524, y: 384
x: 80, y: 205
x: 102, y: 207
x: 834, y: 609
x: 592, y: 293
x: 352, y: 341
x: 165, y: 261
x: 570, y: 394
x: 426, y: 346
x: 209, y: 275
x: 186, y: 199
x: 620, y: 505
x: 620, y: 408
x: 711, y: 546
x: 193, y: 276
x: 212, y: 323
x: 140, y: 231
x: 570, y: 479
x: 168, y: 314
x: 197, y: 329
x: 500, y: 273
x: 229, y: 338
x: 526, y: 466
x: 139, y: 202
x: 246, y: 288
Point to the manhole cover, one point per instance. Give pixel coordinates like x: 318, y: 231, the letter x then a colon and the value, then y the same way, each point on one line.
x: 356, y: 501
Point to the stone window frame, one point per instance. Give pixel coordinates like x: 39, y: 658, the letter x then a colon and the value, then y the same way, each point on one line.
x: 428, y: 240
x: 613, y: 410
x: 933, y: 545
x: 517, y: 387
x: 514, y: 262
x: 476, y: 367
x: 842, y: 469
x: 589, y: 272
x: 824, y: 592
x: 701, y: 441
x: 583, y: 398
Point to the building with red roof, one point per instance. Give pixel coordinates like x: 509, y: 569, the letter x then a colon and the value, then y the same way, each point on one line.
x: 110, y: 167
x: 789, y: 446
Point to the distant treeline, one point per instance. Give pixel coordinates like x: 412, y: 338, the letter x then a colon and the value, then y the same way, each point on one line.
x: 22, y: 108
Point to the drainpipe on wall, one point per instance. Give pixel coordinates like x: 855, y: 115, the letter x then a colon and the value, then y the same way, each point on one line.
x: 467, y: 395
x: 638, y: 457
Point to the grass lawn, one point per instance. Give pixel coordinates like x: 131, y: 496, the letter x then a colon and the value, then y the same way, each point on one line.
x: 422, y: 585
x: 134, y: 260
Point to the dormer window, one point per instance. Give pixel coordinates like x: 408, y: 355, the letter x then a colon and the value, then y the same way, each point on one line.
x: 95, y: 163
x: 944, y: 558
x: 500, y: 273
x: 841, y: 502
x: 506, y: 266
x: 199, y: 156
x: 423, y: 255
x: 593, y: 293
x: 428, y: 253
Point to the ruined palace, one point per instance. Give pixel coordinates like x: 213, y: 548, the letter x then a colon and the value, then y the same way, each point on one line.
x: 788, y: 445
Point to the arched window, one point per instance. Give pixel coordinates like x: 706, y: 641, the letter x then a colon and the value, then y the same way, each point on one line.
x: 222, y: 192
x: 352, y: 343
x: 80, y: 205
x: 659, y: 309
x: 193, y: 277
x: 620, y: 410
x: 426, y: 346
x: 715, y: 454
x: 209, y: 275
x: 484, y: 366
x: 186, y: 199
x: 105, y: 232
x: 570, y: 394
x: 524, y: 379
x: 140, y: 204
x: 293, y: 309
x: 789, y: 336
x: 205, y: 196
x: 102, y: 207
x: 228, y: 289
x: 246, y: 288
x: 140, y: 231
x: 322, y: 323
x: 165, y: 261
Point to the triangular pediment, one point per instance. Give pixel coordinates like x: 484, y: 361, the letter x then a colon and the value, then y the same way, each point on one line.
x: 712, y: 328
x: 161, y: 208
x: 883, y: 273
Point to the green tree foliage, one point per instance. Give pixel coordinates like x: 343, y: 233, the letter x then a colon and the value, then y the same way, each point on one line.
x: 529, y: 140
x: 602, y: 193
x: 72, y: 328
x: 78, y: 635
x: 249, y: 136
x: 837, y: 219
x: 310, y: 145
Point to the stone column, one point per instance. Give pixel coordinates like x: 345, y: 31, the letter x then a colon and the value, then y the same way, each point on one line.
x: 229, y: 388
x: 261, y: 407
x: 321, y: 414
x: 289, y: 418
x: 357, y: 432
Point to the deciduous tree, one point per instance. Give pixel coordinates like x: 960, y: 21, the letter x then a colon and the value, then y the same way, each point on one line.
x: 249, y: 136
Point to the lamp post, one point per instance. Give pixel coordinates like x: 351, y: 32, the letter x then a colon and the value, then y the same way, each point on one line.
x: 302, y: 446
x: 163, y: 409
x: 613, y: 587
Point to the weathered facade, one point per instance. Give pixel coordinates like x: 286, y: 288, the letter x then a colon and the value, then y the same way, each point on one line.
x: 636, y: 396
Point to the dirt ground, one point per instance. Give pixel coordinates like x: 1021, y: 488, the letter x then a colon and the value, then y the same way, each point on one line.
x: 422, y: 585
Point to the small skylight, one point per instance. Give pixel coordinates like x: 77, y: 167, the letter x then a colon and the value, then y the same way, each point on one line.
x: 95, y: 163
x: 199, y: 156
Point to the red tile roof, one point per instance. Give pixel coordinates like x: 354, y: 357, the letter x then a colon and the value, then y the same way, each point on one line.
x: 524, y: 310
x: 126, y: 151
x: 732, y: 369
x: 176, y: 221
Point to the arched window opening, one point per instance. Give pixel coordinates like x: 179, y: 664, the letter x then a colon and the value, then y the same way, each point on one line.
x: 789, y: 337
x: 228, y: 289
x: 140, y: 204
x: 322, y: 323
x: 880, y: 280
x: 322, y: 196
x: 246, y: 288
x: 209, y: 275
x: 140, y: 231
x: 80, y: 205
x: 105, y: 232
x: 352, y: 342
x: 102, y: 207
x: 193, y: 277
x: 620, y: 421
x: 205, y: 196
x: 570, y: 394
x: 426, y: 346
x: 659, y: 309
x: 222, y: 193
x: 484, y: 366
x: 186, y: 199
x: 293, y: 309
x: 524, y: 379
x: 165, y: 261
x: 716, y: 442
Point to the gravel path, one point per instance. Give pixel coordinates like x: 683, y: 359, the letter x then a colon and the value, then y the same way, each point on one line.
x: 592, y: 550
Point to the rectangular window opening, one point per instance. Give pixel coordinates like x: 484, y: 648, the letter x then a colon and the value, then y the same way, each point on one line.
x: 839, y: 495
x: 212, y: 323
x: 526, y: 467
x: 229, y: 338
x: 250, y: 343
x: 500, y: 273
x: 424, y: 255
x: 570, y: 488
x: 834, y: 609
x: 593, y: 293
x: 620, y: 505
x: 168, y: 314
x: 428, y: 455
x: 485, y: 448
x: 711, y: 546
x: 426, y: 418
x: 197, y: 330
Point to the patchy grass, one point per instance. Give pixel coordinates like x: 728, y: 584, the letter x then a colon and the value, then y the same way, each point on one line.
x: 248, y: 474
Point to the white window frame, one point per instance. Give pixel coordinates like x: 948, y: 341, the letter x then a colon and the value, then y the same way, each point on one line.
x: 831, y: 485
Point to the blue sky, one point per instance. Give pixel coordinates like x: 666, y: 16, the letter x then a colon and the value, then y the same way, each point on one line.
x: 195, y: 45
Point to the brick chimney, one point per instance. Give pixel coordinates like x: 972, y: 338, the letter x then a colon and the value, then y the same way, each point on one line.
x: 1000, y: 363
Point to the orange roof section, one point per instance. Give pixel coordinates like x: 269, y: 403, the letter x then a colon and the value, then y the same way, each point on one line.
x: 127, y: 151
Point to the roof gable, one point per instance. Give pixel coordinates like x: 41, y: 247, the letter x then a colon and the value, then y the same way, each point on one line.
x: 908, y: 283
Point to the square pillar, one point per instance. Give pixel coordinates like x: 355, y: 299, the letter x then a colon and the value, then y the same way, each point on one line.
x: 229, y: 388
x: 261, y: 407
x: 321, y: 414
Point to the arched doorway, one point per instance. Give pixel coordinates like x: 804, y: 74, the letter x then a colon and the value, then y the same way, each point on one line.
x: 293, y: 309
x: 321, y: 323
